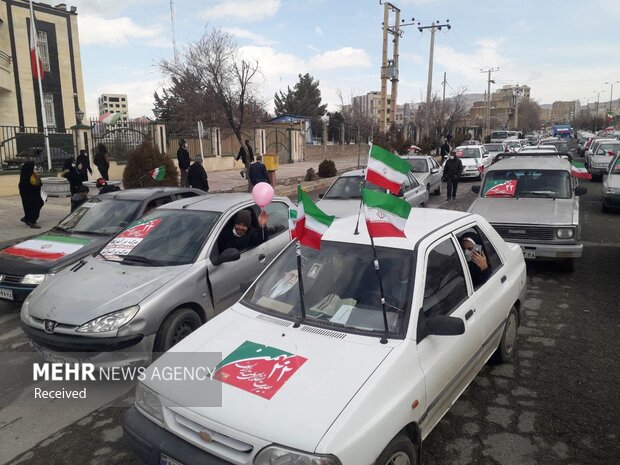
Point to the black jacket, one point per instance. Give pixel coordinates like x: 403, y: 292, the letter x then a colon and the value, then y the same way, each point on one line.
x: 100, y: 161
x: 197, y: 177
x: 249, y: 240
x: 242, y: 155
x: 83, y: 164
x: 183, y: 158
x: 453, y: 168
x: 258, y: 173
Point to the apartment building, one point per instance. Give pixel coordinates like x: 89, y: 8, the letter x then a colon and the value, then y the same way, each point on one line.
x: 113, y: 103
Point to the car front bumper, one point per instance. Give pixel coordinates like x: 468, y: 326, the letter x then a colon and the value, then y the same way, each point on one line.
x: 149, y: 441
x: 551, y: 252
x: 470, y: 174
x: 17, y: 292
x: 611, y: 200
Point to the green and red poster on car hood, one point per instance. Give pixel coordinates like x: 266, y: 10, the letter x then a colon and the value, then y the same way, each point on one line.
x: 46, y: 247
x: 258, y: 369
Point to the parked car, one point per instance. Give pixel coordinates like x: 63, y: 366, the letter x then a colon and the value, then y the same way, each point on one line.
x: 475, y: 159
x: 38, y: 155
x: 611, y: 185
x: 601, y: 157
x: 427, y: 171
x: 592, y: 149
x: 534, y: 202
x: 156, y: 281
x: 344, y: 195
x: 24, y: 264
x: 495, y: 149
x: 296, y: 391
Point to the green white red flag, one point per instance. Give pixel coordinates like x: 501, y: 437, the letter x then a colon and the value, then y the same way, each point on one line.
x: 46, y: 247
x: 386, y: 214
x: 579, y: 171
x: 311, y: 222
x: 385, y: 169
x: 110, y: 118
x: 501, y: 188
x: 35, y: 56
x: 159, y: 173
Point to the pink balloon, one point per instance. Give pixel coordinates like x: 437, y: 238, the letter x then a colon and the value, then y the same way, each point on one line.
x: 262, y: 193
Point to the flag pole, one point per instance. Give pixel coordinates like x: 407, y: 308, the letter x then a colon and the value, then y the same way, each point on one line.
x: 378, y: 271
x: 359, y: 211
x: 35, y: 44
x: 300, y: 282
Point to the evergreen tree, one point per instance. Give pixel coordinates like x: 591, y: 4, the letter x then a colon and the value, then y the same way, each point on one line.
x: 303, y: 100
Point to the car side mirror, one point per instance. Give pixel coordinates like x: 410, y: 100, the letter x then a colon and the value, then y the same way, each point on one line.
x: 442, y: 325
x: 475, y: 189
x: 580, y: 190
x: 321, y: 196
x: 434, y: 170
x: 227, y: 255
x: 401, y: 192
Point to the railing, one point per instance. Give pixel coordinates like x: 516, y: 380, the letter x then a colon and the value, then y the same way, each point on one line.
x: 5, y: 60
x: 21, y: 143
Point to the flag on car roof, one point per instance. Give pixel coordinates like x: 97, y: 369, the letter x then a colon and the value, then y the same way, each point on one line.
x: 311, y: 222
x: 386, y: 170
x: 159, y: 173
x: 579, y: 171
x: 386, y: 215
x: 110, y: 118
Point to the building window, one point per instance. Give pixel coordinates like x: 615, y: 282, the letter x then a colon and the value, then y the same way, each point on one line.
x: 44, y: 53
x: 50, y: 116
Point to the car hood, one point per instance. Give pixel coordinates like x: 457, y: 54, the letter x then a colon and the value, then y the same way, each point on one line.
x: 602, y: 159
x: 48, y: 251
x: 613, y: 180
x: 339, y: 207
x: 96, y: 288
x: 332, y: 369
x: 524, y: 211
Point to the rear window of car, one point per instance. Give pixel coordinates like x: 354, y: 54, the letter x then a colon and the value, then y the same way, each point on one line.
x: 494, y: 147
x: 418, y: 165
x: 467, y: 152
x: 608, y: 149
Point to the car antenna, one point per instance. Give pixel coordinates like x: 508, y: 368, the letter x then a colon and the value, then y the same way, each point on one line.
x: 384, y: 339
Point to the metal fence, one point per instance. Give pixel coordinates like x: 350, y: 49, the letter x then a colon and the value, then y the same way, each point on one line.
x: 19, y: 144
x: 120, y: 138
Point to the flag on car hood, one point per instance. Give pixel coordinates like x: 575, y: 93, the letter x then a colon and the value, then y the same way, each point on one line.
x: 386, y: 215
x: 386, y: 169
x: 579, y: 171
x: 311, y: 221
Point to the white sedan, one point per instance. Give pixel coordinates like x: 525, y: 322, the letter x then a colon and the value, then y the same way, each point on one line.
x: 331, y: 375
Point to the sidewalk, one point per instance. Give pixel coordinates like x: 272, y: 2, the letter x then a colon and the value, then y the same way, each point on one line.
x: 57, y: 208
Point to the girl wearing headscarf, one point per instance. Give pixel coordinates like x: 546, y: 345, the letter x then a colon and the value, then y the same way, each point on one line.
x: 70, y: 172
x: 30, y: 192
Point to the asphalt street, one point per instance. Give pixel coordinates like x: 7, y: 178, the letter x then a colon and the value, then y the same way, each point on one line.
x: 556, y: 404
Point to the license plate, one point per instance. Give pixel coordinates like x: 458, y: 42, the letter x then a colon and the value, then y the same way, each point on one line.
x: 165, y: 460
x: 529, y: 253
x: 6, y: 294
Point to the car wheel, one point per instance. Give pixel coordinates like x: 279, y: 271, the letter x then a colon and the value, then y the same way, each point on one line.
x: 508, y: 344
x: 438, y: 190
x: 568, y: 265
x: 400, y: 451
x: 176, y: 327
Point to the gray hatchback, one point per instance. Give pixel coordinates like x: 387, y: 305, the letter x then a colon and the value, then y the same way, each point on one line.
x: 156, y: 281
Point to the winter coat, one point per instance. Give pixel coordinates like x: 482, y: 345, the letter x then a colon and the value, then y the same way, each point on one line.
x: 453, y: 168
x: 197, y: 177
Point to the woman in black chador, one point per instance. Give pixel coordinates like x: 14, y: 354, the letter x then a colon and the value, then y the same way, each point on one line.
x: 30, y: 192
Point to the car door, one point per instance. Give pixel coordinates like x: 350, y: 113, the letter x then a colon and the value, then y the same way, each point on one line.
x: 435, y: 172
x: 486, y: 157
x: 414, y: 193
x: 447, y: 361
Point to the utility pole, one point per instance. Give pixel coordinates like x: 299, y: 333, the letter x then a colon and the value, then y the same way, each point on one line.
x: 384, y: 67
x: 487, y: 124
x: 611, y: 93
x: 598, y: 98
x: 429, y: 86
x: 443, y: 104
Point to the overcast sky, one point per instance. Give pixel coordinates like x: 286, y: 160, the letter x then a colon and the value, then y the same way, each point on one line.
x: 563, y: 50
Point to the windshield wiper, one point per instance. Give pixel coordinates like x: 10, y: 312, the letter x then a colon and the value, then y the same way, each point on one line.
x: 103, y: 256
x: 88, y: 233
x: 60, y: 228
x: 140, y: 259
x: 542, y: 193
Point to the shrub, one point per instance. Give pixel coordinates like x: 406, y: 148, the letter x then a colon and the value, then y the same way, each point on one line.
x: 310, y: 175
x: 144, y: 159
x: 327, y: 169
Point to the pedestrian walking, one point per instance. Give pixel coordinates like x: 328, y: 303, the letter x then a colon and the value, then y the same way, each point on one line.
x: 83, y: 165
x: 197, y: 176
x: 445, y: 148
x: 257, y: 172
x: 246, y: 155
x: 452, y: 172
x: 71, y: 174
x: 30, y: 193
x: 102, y: 162
x: 183, y: 160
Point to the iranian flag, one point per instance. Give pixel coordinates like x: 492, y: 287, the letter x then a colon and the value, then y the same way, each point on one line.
x: 386, y: 170
x: 35, y: 56
x: 579, y: 171
x: 158, y: 174
x: 292, y: 220
x: 110, y: 118
x: 386, y: 215
x: 499, y: 188
x: 311, y: 222
x: 46, y: 247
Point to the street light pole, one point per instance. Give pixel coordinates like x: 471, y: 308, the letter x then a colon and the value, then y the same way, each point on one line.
x: 611, y: 93
x: 598, y: 98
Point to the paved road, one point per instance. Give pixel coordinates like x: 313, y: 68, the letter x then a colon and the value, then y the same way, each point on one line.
x: 557, y: 404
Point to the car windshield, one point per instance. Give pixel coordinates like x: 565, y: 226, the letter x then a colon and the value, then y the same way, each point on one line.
x: 527, y: 183
x: 608, y: 149
x: 335, y: 297
x: 418, y: 165
x: 467, y: 152
x: 348, y: 187
x: 162, y: 238
x: 513, y: 143
x: 494, y: 147
x: 615, y: 167
x: 101, y: 216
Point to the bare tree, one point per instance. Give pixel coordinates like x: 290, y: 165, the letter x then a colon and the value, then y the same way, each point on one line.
x: 529, y: 116
x: 214, y: 61
x: 358, y: 126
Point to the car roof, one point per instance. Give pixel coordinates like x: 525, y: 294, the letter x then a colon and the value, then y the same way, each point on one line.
x: 144, y: 193
x: 471, y: 146
x: 545, y: 163
x: 215, y: 202
x: 421, y: 223
x: 416, y: 157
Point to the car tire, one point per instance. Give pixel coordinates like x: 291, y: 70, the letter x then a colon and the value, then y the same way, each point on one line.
x: 179, y: 324
x: 438, y: 190
x: 568, y: 265
x: 507, y: 347
x: 400, y: 451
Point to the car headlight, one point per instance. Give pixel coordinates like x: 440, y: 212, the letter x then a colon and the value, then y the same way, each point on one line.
x: 274, y: 455
x: 110, y: 322
x: 565, y: 233
x: 148, y: 402
x: 33, y: 279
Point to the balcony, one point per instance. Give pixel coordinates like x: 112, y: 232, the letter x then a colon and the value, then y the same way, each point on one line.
x: 6, y: 71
